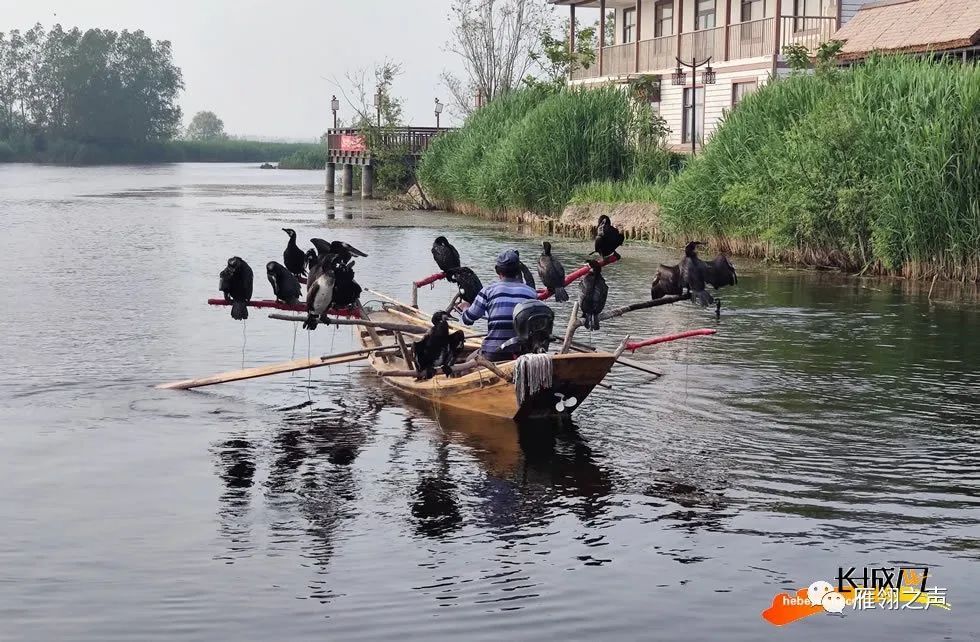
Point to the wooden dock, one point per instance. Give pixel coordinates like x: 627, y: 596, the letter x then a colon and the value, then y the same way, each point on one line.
x: 350, y: 147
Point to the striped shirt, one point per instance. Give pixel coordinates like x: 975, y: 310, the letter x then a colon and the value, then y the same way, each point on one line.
x: 496, y: 302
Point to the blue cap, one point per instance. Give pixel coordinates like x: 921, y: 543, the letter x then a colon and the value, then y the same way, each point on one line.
x: 508, y: 258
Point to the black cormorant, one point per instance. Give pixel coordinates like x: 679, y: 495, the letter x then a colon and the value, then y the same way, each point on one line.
x: 592, y: 295
x: 666, y: 282
x: 284, y: 283
x: 235, y: 281
x: 438, y: 348
x: 607, y: 237
x: 469, y: 284
x: 526, y: 275
x: 319, y: 293
x: 292, y: 257
x: 341, y: 250
x: 552, y: 273
x: 692, y: 270
x: 446, y: 256
x: 346, y: 291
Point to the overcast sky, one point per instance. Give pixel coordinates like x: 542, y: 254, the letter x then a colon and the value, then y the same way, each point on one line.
x: 264, y: 65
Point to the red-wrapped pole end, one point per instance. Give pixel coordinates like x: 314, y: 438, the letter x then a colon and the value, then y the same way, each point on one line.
x: 430, y: 279
x: 633, y: 346
x: 577, y: 274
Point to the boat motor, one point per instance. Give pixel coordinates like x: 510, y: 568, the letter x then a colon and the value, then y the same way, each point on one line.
x: 534, y: 323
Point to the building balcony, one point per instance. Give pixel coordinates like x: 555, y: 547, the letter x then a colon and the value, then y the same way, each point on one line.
x: 738, y: 41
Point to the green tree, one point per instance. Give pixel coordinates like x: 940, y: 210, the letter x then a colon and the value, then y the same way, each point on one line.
x: 555, y: 58
x: 206, y: 126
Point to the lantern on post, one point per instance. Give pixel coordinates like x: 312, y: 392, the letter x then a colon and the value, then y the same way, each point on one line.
x: 678, y: 78
x: 334, y: 106
x: 439, y: 107
x: 708, y: 77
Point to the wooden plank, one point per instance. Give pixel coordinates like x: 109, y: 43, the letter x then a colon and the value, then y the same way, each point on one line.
x: 275, y: 368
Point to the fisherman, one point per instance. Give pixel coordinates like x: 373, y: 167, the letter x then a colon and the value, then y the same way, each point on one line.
x: 496, y: 303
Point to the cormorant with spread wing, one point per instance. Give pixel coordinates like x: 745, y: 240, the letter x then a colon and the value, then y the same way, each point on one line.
x: 692, y: 270
x: 552, y: 273
x: 438, y: 348
x: 341, y: 250
x: 235, y: 282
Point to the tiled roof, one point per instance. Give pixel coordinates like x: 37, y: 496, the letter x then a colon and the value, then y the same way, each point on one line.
x: 911, y: 26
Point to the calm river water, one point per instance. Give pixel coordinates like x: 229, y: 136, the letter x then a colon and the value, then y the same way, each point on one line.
x: 832, y: 422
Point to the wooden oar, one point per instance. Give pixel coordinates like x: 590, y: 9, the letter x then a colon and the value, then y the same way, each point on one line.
x: 382, y: 325
x: 276, y: 368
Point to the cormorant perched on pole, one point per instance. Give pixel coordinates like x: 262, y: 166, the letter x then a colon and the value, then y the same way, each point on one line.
x: 293, y: 257
x: 341, y: 250
x: 592, y: 295
x: 693, y: 273
x: 346, y: 291
x: 446, y: 256
x: 526, y: 275
x: 469, y: 284
x: 552, y: 273
x: 607, y: 238
x: 235, y: 281
x: 319, y: 293
x: 284, y: 283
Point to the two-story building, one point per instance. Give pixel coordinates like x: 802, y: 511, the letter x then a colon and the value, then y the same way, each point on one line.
x: 742, y: 38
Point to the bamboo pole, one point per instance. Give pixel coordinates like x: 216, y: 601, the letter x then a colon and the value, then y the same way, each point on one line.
x: 492, y: 367
x: 394, y: 327
x: 633, y: 307
x: 276, y: 368
x: 459, y: 368
x: 403, y: 348
x: 573, y: 323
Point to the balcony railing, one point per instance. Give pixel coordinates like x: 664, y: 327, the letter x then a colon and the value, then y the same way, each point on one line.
x: 619, y: 59
x: 583, y: 73
x: 658, y: 53
x: 703, y: 44
x: 809, y: 31
x: 751, y: 39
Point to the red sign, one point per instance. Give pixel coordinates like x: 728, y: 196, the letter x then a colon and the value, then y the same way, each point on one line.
x: 352, y: 143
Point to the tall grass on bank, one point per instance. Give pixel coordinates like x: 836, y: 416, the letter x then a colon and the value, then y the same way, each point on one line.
x: 530, y: 149
x: 875, y: 165
x: 631, y: 190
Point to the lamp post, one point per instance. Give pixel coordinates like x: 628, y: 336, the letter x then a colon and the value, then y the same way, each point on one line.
x: 334, y: 106
x: 708, y: 78
x: 438, y: 112
x: 378, y: 100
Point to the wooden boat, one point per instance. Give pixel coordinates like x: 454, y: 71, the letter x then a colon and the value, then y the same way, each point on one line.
x: 483, y: 391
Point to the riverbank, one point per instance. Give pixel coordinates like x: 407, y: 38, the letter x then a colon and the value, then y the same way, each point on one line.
x: 642, y: 222
x: 871, y: 169
x: 69, y: 152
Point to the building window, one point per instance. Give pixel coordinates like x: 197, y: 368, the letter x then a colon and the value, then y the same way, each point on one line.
x: 753, y: 10
x: 692, y: 127
x: 663, y: 13
x: 742, y: 89
x: 807, y: 9
x: 704, y: 18
x: 629, y: 25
